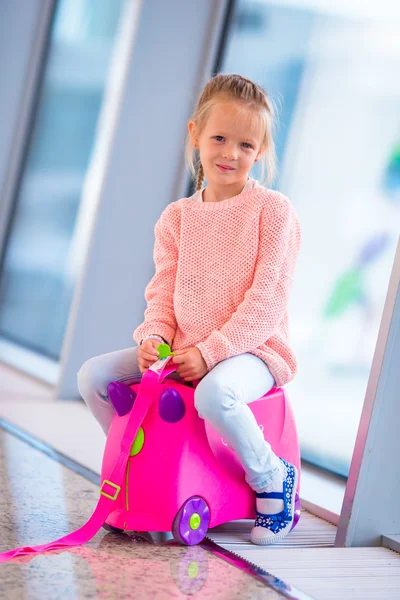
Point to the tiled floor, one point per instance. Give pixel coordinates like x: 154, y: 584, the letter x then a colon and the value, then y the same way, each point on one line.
x: 66, y: 426
x: 41, y: 500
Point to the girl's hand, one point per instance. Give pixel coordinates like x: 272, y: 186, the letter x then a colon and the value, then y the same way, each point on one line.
x: 191, y: 364
x: 147, y: 354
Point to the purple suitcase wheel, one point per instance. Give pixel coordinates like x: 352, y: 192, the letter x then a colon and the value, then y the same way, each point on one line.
x: 297, y: 511
x: 191, y: 521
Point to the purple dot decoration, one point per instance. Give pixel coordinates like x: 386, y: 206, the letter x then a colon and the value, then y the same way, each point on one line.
x: 171, y: 406
x: 121, y: 396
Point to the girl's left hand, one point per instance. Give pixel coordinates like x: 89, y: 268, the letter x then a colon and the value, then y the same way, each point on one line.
x: 191, y: 363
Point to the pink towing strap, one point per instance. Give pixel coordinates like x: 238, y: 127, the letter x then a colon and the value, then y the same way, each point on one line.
x: 111, y: 485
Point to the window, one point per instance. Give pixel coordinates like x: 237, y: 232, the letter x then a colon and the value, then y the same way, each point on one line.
x: 331, y: 69
x: 38, y: 276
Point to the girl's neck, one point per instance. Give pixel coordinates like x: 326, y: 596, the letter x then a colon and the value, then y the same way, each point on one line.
x: 213, y: 193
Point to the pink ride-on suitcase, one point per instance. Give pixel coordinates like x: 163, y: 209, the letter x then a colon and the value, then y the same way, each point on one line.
x: 165, y: 469
x: 181, y: 476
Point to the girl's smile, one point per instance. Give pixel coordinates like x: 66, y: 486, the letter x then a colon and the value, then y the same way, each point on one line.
x: 225, y: 168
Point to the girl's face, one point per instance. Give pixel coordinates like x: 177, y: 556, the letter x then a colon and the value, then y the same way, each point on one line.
x: 229, y: 143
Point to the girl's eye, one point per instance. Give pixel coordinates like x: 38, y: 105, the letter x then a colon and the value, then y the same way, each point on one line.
x: 247, y: 145
x: 219, y: 138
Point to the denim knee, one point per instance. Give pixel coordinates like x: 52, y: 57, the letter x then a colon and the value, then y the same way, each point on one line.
x: 212, y: 398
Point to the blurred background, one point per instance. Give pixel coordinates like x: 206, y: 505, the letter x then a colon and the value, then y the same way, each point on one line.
x: 332, y: 71
x: 35, y: 271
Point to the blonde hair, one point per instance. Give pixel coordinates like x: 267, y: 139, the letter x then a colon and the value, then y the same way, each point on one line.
x: 253, y: 97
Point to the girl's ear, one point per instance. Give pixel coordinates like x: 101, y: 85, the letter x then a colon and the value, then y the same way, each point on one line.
x: 260, y: 153
x: 193, y: 133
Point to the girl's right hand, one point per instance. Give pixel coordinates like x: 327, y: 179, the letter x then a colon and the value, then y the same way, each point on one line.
x: 147, y: 354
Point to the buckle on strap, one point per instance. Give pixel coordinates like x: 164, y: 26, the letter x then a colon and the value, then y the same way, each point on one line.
x: 113, y: 485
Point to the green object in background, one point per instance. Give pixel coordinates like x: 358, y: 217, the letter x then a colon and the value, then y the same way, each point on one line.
x: 348, y: 290
x: 164, y: 351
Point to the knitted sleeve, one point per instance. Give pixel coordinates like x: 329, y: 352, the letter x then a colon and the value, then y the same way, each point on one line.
x: 264, y: 304
x: 159, y: 316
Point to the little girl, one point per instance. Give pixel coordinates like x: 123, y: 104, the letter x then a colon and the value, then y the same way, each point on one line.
x: 224, y: 261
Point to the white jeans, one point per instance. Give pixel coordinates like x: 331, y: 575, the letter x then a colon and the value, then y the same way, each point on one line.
x: 221, y: 398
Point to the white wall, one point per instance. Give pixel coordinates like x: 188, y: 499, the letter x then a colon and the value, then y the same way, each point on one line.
x: 138, y: 168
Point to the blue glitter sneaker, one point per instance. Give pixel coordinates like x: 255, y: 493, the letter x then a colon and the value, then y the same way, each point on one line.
x: 270, y: 528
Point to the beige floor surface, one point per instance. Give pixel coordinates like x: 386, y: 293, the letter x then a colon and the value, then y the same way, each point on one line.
x: 306, y: 559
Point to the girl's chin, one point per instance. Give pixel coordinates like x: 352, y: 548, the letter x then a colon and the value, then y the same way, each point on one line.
x: 221, y: 181
x: 221, y: 177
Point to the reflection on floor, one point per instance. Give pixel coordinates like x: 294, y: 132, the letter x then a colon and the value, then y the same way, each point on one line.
x: 42, y: 500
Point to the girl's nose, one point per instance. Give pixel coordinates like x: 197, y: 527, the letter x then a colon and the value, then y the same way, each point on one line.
x: 229, y: 154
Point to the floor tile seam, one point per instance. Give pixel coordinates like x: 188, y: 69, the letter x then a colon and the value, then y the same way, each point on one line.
x: 50, y: 451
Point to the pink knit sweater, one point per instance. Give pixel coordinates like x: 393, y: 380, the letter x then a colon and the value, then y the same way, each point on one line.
x: 223, y: 273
